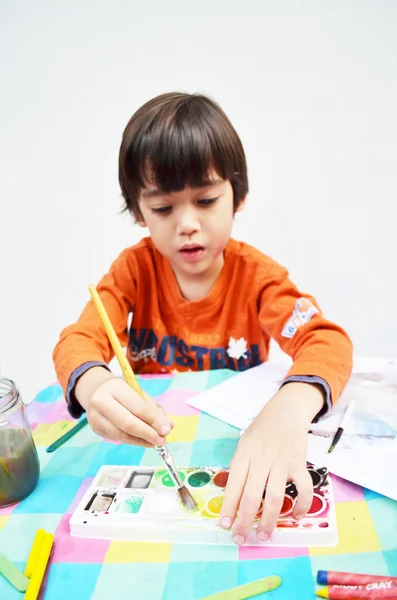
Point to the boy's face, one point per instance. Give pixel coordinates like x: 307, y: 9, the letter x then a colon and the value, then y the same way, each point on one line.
x: 191, y: 227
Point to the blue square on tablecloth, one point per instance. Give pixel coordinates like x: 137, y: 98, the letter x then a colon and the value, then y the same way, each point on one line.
x: 68, y: 581
x: 213, y: 452
x: 218, y: 376
x: 52, y: 495
x: 371, y: 495
x: 296, y: 575
x: 130, y: 581
x: 191, y: 581
x: 390, y: 557
x: 114, y: 454
x: 384, y: 515
x: 16, y: 537
x: 70, y: 460
x: 155, y: 387
x: 49, y: 394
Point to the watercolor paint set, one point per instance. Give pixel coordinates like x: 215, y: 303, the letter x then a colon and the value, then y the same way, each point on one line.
x: 142, y: 504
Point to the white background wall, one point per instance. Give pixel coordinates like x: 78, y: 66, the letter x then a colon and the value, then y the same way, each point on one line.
x: 311, y: 87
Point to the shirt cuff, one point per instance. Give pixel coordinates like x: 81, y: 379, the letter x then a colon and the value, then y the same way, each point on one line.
x: 74, y: 407
x: 317, y: 380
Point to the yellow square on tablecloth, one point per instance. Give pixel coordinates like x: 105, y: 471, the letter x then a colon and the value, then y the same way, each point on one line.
x: 184, y: 430
x: 125, y: 552
x: 356, y: 531
x: 47, y: 433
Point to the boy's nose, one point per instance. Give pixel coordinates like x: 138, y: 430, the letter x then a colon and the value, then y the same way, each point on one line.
x: 188, y: 223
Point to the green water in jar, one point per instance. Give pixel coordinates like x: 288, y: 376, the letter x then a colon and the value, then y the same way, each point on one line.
x: 19, y: 466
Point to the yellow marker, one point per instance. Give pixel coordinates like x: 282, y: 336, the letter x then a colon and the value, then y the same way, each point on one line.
x: 248, y: 590
x: 39, y: 568
x: 34, y: 552
x: 115, y: 342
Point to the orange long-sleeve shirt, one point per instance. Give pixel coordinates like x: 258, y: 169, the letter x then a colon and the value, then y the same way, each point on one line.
x: 252, y: 301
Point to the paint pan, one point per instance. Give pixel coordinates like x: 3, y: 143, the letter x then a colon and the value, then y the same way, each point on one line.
x: 112, y: 478
x: 199, y: 478
x: 140, y: 479
x: 318, y: 475
x: 142, y: 504
x: 318, y: 505
x: 100, y: 502
x: 220, y: 479
x: 287, y: 506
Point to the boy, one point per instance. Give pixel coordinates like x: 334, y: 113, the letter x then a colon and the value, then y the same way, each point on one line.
x: 201, y: 300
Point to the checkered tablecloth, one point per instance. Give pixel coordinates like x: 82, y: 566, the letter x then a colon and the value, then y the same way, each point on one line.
x: 82, y: 569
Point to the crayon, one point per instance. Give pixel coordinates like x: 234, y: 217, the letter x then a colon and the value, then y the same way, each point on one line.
x: 40, y: 566
x: 359, y: 592
x: 34, y: 552
x: 341, y: 577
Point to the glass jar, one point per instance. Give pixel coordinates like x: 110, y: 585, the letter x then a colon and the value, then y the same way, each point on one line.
x: 19, y: 462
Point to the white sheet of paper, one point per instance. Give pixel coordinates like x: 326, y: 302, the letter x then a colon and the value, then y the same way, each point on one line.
x: 238, y: 400
x: 367, y: 451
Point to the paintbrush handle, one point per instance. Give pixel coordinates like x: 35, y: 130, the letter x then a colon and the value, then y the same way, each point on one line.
x: 115, y: 343
x: 129, y: 374
x: 169, y: 461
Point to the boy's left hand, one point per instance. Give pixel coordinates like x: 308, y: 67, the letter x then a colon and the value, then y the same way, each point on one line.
x: 271, y: 452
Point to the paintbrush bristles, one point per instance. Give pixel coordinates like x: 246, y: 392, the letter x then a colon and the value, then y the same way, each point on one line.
x: 187, y: 499
x: 185, y: 496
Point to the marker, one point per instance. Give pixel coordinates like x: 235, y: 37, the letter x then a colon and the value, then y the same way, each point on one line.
x: 374, y: 591
x: 248, y: 590
x: 340, y: 577
x: 64, y: 438
x: 346, y: 416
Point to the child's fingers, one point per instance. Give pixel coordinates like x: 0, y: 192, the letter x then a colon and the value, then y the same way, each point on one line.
x: 304, y: 485
x: 272, y: 503
x: 107, y: 429
x: 139, y: 407
x: 249, y: 504
x: 234, y: 488
x: 156, y: 405
x: 129, y: 422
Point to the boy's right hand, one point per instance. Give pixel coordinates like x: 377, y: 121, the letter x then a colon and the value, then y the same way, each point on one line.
x: 115, y: 411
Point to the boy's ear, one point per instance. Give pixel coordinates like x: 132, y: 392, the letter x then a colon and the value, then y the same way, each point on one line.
x: 141, y: 223
x: 242, y: 204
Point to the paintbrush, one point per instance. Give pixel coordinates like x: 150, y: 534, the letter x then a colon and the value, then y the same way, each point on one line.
x: 185, y: 496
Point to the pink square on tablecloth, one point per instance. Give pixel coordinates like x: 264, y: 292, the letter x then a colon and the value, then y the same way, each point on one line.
x: 174, y: 403
x: 261, y: 552
x: 38, y: 412
x: 59, y: 412
x: 8, y: 509
x: 74, y: 549
x: 345, y: 491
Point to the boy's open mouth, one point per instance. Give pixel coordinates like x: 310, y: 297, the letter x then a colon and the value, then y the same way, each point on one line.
x: 191, y: 252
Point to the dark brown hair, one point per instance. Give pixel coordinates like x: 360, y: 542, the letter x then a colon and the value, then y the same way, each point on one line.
x: 174, y: 140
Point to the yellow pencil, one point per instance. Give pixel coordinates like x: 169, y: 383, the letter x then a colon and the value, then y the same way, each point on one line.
x: 115, y: 342
x: 34, y: 552
x: 39, y: 568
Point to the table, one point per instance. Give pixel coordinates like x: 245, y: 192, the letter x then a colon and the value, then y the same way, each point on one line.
x: 82, y: 569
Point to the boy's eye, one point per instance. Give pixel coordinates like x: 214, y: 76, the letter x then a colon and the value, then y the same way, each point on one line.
x: 207, y: 201
x: 162, y: 210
